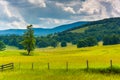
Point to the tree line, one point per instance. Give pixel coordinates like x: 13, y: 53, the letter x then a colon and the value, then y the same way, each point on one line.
x: 53, y: 41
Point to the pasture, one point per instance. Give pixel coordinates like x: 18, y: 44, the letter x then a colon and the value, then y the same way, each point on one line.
x: 35, y: 67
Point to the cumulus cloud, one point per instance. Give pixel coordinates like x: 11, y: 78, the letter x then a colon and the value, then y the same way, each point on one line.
x: 10, y: 16
x: 69, y: 9
x: 90, y: 7
x: 65, y: 8
x: 40, y: 3
x: 51, y: 21
x: 101, y: 8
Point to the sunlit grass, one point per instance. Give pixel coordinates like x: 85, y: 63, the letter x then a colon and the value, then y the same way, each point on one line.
x: 98, y: 57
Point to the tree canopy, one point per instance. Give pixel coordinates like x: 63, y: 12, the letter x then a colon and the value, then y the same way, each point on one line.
x: 2, y: 46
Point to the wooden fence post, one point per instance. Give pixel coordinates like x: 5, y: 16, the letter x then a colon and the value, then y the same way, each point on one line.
x: 48, y: 66
x: 2, y: 67
x: 111, y: 65
x: 13, y: 66
x: 19, y: 65
x: 32, y: 66
x: 66, y: 66
x: 87, y: 64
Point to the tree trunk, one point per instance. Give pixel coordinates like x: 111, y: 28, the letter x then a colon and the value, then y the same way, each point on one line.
x: 28, y: 52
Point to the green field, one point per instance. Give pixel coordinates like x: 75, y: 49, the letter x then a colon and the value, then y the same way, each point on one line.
x: 98, y: 56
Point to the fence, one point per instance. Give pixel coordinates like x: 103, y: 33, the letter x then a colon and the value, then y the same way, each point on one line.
x: 7, y: 66
x: 66, y: 66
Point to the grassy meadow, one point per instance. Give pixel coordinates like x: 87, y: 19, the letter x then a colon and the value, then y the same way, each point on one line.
x: 98, y: 56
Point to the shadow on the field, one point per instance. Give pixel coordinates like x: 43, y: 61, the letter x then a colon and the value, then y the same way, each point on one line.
x: 26, y: 54
x: 114, y: 70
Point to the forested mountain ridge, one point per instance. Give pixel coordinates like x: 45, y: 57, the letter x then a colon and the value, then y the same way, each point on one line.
x: 97, y: 29
x: 108, y: 23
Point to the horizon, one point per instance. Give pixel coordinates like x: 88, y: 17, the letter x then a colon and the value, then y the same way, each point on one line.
x: 54, y: 13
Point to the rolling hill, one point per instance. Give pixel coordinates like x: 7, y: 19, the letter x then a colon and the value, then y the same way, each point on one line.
x: 105, y: 24
x: 97, y: 29
x: 42, y: 31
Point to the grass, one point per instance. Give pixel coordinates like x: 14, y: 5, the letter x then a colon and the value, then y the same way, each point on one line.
x: 81, y: 30
x: 98, y: 56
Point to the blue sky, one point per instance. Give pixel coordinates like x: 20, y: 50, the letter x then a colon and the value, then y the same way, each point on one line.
x: 17, y: 14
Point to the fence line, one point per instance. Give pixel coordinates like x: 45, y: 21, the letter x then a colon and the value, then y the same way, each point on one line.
x: 11, y: 66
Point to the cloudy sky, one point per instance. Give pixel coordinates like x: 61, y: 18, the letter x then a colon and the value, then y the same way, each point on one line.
x: 17, y: 14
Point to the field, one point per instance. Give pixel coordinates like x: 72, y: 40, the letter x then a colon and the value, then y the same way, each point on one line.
x: 98, y: 57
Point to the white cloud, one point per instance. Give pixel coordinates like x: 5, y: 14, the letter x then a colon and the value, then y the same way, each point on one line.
x: 5, y: 8
x: 9, y: 13
x: 99, y: 9
x: 52, y: 21
x: 40, y: 3
x: 69, y: 9
x: 18, y: 25
x: 12, y: 25
x: 90, y: 7
x: 66, y: 8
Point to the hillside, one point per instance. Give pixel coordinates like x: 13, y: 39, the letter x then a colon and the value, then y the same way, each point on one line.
x: 42, y: 31
x: 97, y: 29
x: 109, y: 23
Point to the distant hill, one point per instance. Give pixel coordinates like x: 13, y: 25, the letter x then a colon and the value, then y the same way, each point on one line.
x: 97, y: 29
x: 42, y: 31
x: 100, y: 25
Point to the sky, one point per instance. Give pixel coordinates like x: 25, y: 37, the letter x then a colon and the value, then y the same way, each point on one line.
x: 17, y: 14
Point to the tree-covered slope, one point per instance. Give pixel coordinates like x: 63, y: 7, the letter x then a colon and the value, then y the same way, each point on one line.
x: 97, y: 29
x: 101, y: 25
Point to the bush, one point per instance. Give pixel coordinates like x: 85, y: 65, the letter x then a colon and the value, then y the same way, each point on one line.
x: 81, y: 43
x: 2, y: 46
x: 90, y: 41
x: 54, y: 43
x: 63, y: 44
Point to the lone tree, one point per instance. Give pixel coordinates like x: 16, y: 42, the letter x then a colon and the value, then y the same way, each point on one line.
x: 29, y: 40
x: 2, y: 46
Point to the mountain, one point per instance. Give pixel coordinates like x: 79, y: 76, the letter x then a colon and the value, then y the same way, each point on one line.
x: 98, y: 29
x: 42, y: 31
x: 109, y: 25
